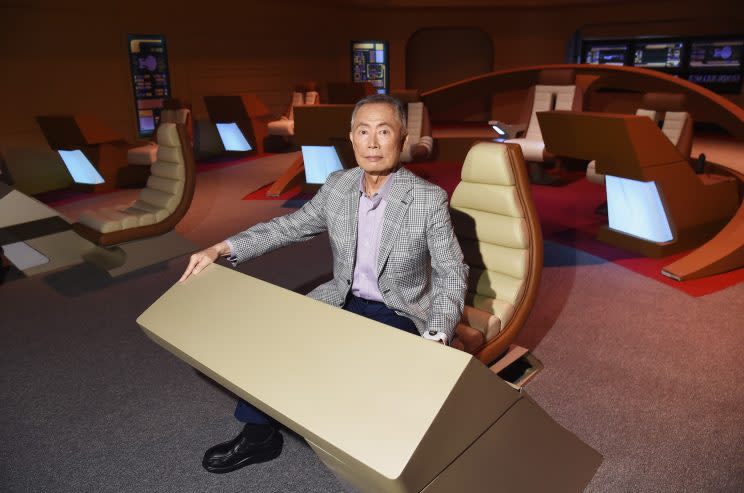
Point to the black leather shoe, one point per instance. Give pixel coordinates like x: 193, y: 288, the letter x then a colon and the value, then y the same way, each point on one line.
x: 256, y: 443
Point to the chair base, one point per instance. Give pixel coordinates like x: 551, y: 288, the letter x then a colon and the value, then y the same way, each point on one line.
x: 538, y: 176
x: 517, y: 367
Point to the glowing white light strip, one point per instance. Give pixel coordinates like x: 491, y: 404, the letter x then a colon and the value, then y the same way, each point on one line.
x: 80, y: 168
x: 635, y: 208
x: 232, y: 138
x: 320, y: 161
x: 498, y: 130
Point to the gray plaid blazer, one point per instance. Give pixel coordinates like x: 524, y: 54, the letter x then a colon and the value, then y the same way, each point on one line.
x: 421, y: 273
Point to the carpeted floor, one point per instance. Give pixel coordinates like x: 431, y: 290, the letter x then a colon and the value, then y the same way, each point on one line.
x: 645, y: 374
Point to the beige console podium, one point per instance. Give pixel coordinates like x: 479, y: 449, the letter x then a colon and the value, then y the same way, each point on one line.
x: 385, y: 410
x: 35, y: 237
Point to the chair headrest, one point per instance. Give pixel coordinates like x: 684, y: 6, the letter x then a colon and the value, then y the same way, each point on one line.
x: 557, y: 77
x: 488, y: 163
x: 168, y: 135
x: 663, y: 101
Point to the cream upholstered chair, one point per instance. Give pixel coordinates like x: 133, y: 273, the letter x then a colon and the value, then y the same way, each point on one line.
x: 676, y: 125
x: 174, y: 111
x: 420, y: 142
x: 160, y: 205
x: 546, y: 98
x: 555, y: 90
x: 304, y: 94
x: 496, y: 223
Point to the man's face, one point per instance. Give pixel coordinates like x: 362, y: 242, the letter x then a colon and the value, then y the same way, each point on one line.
x: 377, y: 138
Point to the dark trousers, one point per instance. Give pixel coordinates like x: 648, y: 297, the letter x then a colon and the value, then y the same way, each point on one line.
x: 371, y: 309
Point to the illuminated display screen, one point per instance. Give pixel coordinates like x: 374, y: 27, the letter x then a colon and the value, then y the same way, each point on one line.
x: 635, y: 208
x: 658, y: 55
x: 718, y: 54
x: 148, y: 61
x: 606, y: 54
x: 369, y: 63
x: 232, y: 138
x: 320, y: 161
x: 81, y: 170
x: 716, y: 63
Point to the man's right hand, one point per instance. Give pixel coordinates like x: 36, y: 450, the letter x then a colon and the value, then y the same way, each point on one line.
x: 200, y: 260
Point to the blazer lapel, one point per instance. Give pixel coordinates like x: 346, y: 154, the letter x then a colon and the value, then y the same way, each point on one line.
x: 349, y: 209
x: 398, y: 203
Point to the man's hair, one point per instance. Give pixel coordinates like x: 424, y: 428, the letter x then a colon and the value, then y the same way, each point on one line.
x: 397, y: 106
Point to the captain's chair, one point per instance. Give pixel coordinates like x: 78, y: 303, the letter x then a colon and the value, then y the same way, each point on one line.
x: 419, y: 144
x: 174, y: 111
x: 676, y: 125
x: 160, y: 205
x: 496, y: 223
x: 307, y: 94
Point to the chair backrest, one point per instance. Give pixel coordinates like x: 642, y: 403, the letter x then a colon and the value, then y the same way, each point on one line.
x: 161, y: 204
x: 418, y: 123
x: 312, y: 97
x: 415, y: 121
x: 164, y: 188
x: 496, y: 223
x: 549, y: 98
x: 677, y: 123
x: 297, y: 99
x: 177, y: 111
x: 677, y: 127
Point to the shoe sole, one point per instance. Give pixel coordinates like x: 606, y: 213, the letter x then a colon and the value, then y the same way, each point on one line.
x: 271, y: 454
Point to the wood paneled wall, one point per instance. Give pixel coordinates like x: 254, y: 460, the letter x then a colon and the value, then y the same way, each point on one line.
x: 73, y: 58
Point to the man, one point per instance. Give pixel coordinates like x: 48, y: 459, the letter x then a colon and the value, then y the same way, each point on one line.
x: 395, y: 256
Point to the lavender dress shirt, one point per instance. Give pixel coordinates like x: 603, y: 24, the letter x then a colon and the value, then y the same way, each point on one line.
x: 369, y: 229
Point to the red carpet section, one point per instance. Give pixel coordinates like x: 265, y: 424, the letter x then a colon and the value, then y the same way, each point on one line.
x: 567, y: 217
x: 294, y: 193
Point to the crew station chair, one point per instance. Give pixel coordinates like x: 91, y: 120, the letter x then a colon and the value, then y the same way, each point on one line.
x: 420, y: 142
x: 160, y: 205
x: 496, y: 223
x: 307, y: 94
x: 555, y: 90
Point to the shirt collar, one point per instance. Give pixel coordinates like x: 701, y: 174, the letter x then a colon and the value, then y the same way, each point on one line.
x: 383, y: 192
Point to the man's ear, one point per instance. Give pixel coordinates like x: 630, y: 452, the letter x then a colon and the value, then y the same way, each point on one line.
x: 351, y: 138
x: 403, y: 142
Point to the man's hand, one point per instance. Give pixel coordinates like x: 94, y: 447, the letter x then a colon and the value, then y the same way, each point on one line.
x: 200, y: 260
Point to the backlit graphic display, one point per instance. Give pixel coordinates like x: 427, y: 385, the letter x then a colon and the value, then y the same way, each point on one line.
x: 232, y: 138
x: 718, y: 54
x: 658, y: 55
x: 606, y: 54
x: 148, y: 62
x: 80, y: 168
x: 369, y: 63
